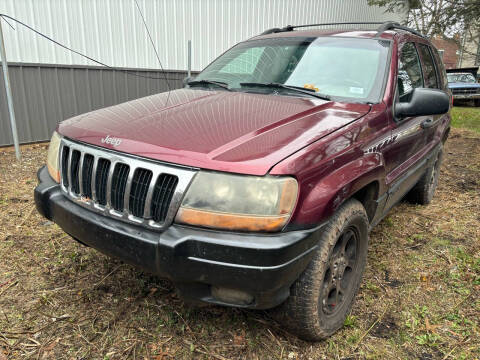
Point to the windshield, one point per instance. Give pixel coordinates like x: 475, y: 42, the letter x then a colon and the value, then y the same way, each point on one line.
x: 345, y: 68
x: 464, y: 78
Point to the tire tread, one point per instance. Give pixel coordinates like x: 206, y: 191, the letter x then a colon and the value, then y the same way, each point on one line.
x: 300, y: 311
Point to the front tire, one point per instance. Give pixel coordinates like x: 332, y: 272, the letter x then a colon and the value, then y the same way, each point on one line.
x: 323, y: 295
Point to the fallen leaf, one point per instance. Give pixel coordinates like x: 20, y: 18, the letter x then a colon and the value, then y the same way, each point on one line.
x: 431, y: 328
x: 50, y: 346
x: 238, y: 340
x: 454, y: 333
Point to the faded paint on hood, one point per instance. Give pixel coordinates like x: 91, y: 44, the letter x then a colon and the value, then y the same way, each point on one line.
x: 217, y: 130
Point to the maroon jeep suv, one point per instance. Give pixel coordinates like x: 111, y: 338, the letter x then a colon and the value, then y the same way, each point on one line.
x: 257, y: 184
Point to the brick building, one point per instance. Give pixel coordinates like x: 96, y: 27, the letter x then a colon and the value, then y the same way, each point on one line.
x: 449, y: 50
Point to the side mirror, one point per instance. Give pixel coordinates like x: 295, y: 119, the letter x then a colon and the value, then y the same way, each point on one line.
x: 187, y: 80
x: 424, y: 102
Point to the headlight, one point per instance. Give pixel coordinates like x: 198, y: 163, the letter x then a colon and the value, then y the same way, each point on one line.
x: 236, y: 202
x: 52, y: 157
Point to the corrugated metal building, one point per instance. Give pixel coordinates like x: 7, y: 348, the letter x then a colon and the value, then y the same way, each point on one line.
x: 50, y: 84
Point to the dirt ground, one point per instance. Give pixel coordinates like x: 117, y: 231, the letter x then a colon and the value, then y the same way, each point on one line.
x: 420, y: 297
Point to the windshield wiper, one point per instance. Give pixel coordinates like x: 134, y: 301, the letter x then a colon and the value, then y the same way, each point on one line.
x: 208, y: 82
x: 299, y: 89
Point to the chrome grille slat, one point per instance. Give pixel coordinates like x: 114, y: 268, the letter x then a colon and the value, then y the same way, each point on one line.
x: 69, y: 169
x: 80, y: 173
x: 148, y: 199
x: 129, y: 188
x: 94, y: 176
x: 109, y: 183
x: 126, y: 198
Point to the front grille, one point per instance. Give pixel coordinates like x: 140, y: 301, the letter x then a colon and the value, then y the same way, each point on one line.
x: 162, y: 195
x: 74, y: 168
x: 463, y: 91
x: 128, y: 188
x: 87, y: 171
x: 101, y: 178
x: 119, y: 183
x: 138, y: 193
x: 65, y: 157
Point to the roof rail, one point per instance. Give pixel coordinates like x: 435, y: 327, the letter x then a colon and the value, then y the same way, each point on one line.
x: 391, y: 25
x: 384, y: 26
x: 292, y: 27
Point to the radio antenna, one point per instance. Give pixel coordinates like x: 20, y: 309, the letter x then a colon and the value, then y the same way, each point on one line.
x: 156, y: 52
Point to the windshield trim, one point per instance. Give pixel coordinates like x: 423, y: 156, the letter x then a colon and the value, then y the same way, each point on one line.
x: 313, y: 38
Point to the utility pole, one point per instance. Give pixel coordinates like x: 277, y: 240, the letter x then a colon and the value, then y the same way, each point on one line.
x: 6, y: 78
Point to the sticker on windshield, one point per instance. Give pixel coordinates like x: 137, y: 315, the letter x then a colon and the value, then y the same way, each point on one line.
x: 356, y: 90
x: 311, y: 87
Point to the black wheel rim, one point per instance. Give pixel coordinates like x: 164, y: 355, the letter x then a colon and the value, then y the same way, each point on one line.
x: 434, y: 177
x: 338, y: 278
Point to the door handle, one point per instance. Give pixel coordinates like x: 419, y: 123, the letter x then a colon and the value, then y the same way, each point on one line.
x: 427, y: 123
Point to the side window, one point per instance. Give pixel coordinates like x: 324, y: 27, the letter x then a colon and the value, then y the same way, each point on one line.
x: 245, y: 63
x: 442, y: 74
x: 409, y: 71
x: 429, y: 72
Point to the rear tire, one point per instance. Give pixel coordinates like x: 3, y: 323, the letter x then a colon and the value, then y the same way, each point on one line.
x: 477, y: 102
x: 323, y: 295
x: 422, y: 193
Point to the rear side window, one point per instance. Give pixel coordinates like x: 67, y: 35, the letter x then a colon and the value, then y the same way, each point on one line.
x: 442, y: 74
x: 409, y: 71
x: 429, y: 72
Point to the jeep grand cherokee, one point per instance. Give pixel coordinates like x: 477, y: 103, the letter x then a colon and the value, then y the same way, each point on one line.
x: 256, y: 185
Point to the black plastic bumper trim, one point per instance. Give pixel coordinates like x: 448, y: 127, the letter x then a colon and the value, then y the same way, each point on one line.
x: 260, y: 268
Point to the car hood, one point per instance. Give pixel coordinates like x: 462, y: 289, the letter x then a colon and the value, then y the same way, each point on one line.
x: 456, y: 85
x: 219, y: 130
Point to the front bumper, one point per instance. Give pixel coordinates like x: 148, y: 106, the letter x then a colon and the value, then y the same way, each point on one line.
x: 263, y: 266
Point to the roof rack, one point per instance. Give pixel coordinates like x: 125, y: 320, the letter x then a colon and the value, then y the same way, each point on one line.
x: 384, y: 26
x: 392, y: 25
x: 292, y: 27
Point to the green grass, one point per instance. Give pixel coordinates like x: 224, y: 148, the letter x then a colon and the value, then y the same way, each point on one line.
x: 466, y: 117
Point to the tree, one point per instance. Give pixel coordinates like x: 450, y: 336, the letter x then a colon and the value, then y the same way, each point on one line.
x: 453, y: 19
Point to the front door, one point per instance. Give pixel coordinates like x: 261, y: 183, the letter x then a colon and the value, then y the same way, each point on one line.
x: 403, y: 158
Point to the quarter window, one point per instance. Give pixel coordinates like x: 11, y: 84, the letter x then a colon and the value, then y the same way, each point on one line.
x: 429, y: 73
x: 409, y: 71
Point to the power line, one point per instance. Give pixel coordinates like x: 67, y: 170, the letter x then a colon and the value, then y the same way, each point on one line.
x: 154, y: 48
x: 5, y: 17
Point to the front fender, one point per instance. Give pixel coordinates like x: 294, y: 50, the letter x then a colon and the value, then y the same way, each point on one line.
x: 320, y: 198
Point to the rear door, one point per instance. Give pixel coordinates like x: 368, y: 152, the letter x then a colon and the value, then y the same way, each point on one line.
x: 432, y: 78
x: 403, y: 157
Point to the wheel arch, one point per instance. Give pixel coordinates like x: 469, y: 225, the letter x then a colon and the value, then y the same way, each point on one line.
x: 362, y: 179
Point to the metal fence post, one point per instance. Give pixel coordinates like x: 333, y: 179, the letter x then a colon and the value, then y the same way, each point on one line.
x: 6, y: 78
x: 189, y: 54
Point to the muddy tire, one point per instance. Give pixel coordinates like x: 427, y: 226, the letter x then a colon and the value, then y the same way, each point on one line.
x: 422, y: 193
x: 323, y: 295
